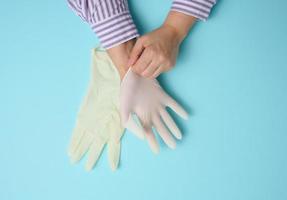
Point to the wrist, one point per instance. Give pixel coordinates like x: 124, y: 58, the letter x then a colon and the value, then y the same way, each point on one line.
x: 120, y: 56
x: 176, y: 35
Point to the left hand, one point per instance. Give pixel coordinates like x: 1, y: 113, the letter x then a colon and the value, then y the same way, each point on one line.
x: 155, y: 52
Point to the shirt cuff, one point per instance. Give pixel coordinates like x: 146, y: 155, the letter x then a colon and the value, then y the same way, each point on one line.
x: 115, y: 30
x: 196, y: 8
x: 109, y: 19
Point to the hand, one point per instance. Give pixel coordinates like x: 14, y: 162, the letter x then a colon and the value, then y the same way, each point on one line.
x: 155, y: 52
x: 147, y: 100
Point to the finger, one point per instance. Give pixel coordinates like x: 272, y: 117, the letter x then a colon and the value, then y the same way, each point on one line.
x: 94, y: 154
x: 75, y: 141
x: 114, y: 149
x: 157, y: 72
x: 164, y: 133
x: 82, y: 148
x: 135, y: 128
x: 150, y: 70
x: 176, y: 108
x: 142, y: 63
x: 170, y: 123
x: 152, y: 141
x: 135, y: 53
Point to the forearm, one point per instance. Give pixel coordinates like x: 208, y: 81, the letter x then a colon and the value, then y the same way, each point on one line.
x: 109, y: 19
x: 179, y: 23
x: 112, y: 23
x: 199, y: 9
x: 184, y: 13
x: 120, y: 55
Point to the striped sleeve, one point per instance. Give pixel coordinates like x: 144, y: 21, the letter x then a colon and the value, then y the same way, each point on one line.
x: 109, y: 19
x: 196, y: 8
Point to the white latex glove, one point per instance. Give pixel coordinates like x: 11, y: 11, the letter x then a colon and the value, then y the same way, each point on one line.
x: 147, y: 100
x: 98, y: 122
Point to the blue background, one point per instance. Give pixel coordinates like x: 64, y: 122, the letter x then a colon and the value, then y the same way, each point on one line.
x: 231, y: 75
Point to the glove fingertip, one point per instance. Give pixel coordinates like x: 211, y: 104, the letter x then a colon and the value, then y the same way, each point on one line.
x: 88, y: 168
x: 114, y: 167
x: 114, y: 164
x: 73, y: 160
x: 155, y: 150
x: 178, y: 136
x: 183, y: 114
x: 172, y: 145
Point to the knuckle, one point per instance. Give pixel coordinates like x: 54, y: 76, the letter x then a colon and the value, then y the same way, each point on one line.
x: 169, y: 64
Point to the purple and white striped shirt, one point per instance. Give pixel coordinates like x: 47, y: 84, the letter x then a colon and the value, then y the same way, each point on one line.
x: 112, y: 21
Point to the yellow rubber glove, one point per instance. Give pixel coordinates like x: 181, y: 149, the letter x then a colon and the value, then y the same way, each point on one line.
x: 98, y: 122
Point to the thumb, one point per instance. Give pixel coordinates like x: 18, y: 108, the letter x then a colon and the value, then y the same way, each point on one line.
x: 136, y: 52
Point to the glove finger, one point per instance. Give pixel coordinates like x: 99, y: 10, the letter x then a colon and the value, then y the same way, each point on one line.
x: 114, y: 129
x: 114, y: 149
x: 125, y: 111
x: 135, y: 128
x: 94, y: 153
x: 170, y: 123
x: 82, y: 147
x: 176, y: 108
x: 164, y: 133
x: 152, y: 141
x: 128, y: 86
x: 114, y: 144
x: 75, y: 141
